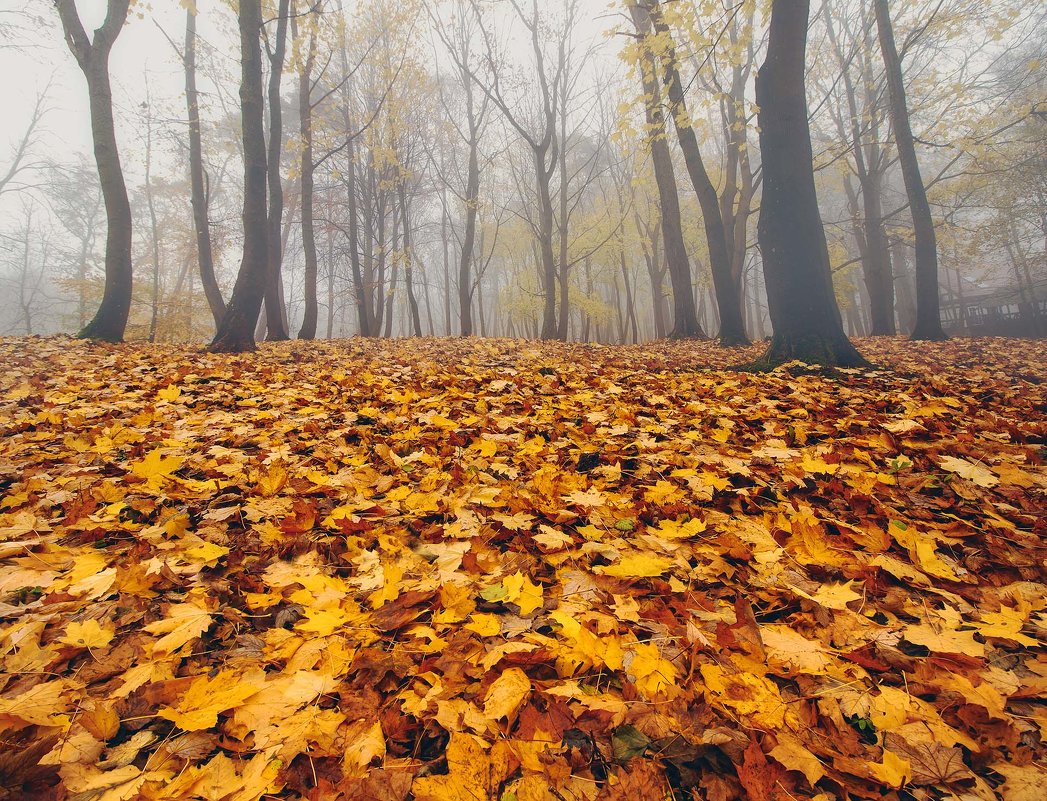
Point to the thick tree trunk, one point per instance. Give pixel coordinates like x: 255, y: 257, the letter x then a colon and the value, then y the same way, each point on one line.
x: 110, y: 321
x: 236, y: 333
x: 198, y: 188
x: 728, y: 292
x: 928, y: 303
x: 685, y: 319
x: 274, y: 312
x: 804, y: 312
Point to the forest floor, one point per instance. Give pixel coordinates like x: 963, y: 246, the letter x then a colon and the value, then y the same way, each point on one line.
x: 449, y: 570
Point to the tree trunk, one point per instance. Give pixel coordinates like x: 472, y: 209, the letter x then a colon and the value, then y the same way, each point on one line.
x: 685, y: 318
x: 274, y: 312
x: 305, y: 113
x: 236, y: 333
x: 412, y: 301
x: 198, y: 189
x: 110, y: 321
x: 728, y: 293
x: 154, y: 304
x: 928, y: 304
x: 543, y: 176
x: 806, y: 318
x: 472, y: 199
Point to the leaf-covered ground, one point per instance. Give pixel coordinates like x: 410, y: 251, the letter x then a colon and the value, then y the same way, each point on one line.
x: 495, y: 570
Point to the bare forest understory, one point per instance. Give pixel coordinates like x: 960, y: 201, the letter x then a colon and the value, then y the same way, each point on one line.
x: 458, y: 569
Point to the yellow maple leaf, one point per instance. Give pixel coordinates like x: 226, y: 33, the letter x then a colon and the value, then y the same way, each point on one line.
x: 169, y: 393
x: 184, y: 622
x: 519, y: 589
x: 485, y: 625
x: 154, y: 467
x: 816, y: 465
x: 207, y: 697
x: 663, y: 492
x: 367, y: 747
x: 506, y: 694
x: 653, y: 676
x: 468, y: 772
x: 637, y: 565
x: 793, y: 755
x: 976, y: 473
x: 894, y: 771
x: 323, y: 622
x: 89, y: 634
x: 831, y: 596
x: 1006, y: 625
x: 207, y: 553
x: 746, y: 694
x: 272, y: 480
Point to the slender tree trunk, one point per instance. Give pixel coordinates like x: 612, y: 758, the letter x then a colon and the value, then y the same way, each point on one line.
x: 543, y: 176
x: 412, y: 301
x: 154, y: 233
x: 445, y: 245
x: 472, y: 199
x: 330, y: 283
x: 685, y: 318
x: 110, y: 321
x: 305, y: 113
x: 728, y: 292
x: 274, y: 313
x: 236, y: 333
x: 197, y: 184
x: 806, y: 318
x: 928, y: 303
x: 390, y: 295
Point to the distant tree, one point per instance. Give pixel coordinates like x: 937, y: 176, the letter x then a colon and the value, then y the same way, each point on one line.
x: 806, y: 318
x: 92, y: 55
x: 685, y: 320
x: 199, y: 188
x: 928, y: 309
x: 236, y: 332
x: 728, y: 293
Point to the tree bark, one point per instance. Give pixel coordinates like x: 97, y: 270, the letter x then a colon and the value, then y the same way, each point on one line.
x: 728, y: 292
x: 305, y: 113
x: 685, y: 319
x: 236, y: 332
x: 197, y: 185
x: 110, y: 321
x: 412, y: 301
x: 274, y: 312
x: 804, y: 312
x: 928, y: 304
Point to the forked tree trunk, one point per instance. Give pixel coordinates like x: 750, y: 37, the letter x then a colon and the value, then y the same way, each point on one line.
x: 928, y: 303
x: 685, y: 318
x: 728, y: 292
x: 236, y: 333
x: 198, y: 188
x: 804, y: 312
x: 110, y: 321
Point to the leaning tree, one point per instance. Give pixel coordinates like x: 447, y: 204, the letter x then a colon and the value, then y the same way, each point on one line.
x: 92, y: 54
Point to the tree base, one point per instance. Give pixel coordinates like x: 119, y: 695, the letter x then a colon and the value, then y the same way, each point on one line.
x: 928, y: 334
x: 230, y: 343
x: 730, y: 340
x: 101, y: 331
x: 824, y: 351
